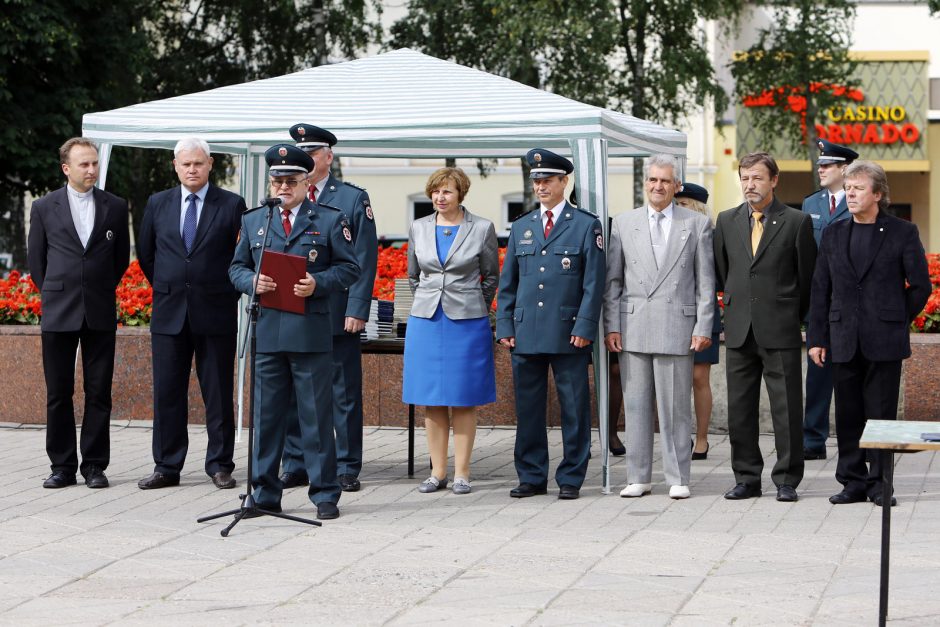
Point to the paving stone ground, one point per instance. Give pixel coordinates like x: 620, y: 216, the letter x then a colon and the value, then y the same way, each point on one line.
x: 125, y: 556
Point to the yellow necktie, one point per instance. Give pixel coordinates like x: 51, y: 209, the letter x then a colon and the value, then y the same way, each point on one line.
x: 756, y: 231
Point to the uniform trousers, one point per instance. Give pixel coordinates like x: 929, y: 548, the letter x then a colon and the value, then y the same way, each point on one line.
x: 215, y: 368
x: 818, y: 399
x: 307, y: 376
x: 657, y: 384
x: 530, y: 373
x: 864, y: 390
x: 58, y: 361
x: 347, y: 411
x: 782, y: 373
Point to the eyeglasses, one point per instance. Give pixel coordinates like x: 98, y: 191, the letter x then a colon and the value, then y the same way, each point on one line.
x: 290, y: 183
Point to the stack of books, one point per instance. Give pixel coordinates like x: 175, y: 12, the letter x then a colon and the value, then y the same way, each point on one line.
x: 403, y: 301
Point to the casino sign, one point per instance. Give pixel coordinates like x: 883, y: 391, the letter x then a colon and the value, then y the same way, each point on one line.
x: 868, y: 124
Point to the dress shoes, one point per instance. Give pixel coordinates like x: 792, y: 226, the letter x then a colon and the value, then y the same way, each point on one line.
x: 327, y: 511
x: 878, y: 500
x: 787, y: 494
x: 254, y: 513
x: 95, y: 478
x: 158, y: 480
x: 742, y: 491
x: 845, y: 497
x: 349, y: 483
x: 223, y: 480
x: 811, y: 454
x: 568, y: 492
x: 679, y: 492
x: 635, y: 490
x: 293, y: 480
x: 59, y: 479
x: 432, y: 484
x: 524, y: 490
x: 616, y: 447
x: 702, y: 455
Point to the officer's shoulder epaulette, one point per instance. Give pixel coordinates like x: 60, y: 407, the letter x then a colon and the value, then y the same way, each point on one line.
x: 817, y: 192
x: 590, y: 213
x: 522, y: 215
x: 351, y: 184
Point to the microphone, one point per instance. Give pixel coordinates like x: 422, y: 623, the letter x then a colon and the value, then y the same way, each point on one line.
x: 265, y: 202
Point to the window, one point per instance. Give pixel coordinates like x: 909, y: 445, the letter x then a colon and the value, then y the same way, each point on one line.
x: 511, y: 210
x: 419, y: 206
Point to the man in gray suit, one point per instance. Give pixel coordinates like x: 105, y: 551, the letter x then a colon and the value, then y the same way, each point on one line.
x: 658, y: 308
x: 764, y: 254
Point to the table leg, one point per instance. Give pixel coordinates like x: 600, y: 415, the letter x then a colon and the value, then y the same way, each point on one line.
x: 887, y: 492
x: 411, y: 441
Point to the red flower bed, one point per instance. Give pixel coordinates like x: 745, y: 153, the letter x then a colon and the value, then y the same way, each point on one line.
x: 929, y: 319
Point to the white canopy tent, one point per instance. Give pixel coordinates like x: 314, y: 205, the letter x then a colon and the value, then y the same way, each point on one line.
x: 399, y: 104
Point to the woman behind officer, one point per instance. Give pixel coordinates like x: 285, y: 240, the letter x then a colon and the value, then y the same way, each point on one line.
x: 694, y: 197
x: 453, y: 268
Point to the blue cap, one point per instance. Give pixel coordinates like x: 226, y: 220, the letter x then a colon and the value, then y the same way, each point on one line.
x: 311, y: 137
x: 545, y: 163
x: 693, y: 191
x: 834, y: 153
x: 284, y: 160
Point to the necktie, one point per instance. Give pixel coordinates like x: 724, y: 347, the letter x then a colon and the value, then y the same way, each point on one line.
x: 548, y: 223
x: 312, y: 193
x: 756, y: 231
x: 832, y: 204
x: 658, y: 238
x: 189, y: 223
x: 285, y: 214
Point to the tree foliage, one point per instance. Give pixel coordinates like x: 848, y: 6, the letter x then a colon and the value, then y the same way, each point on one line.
x: 798, y: 68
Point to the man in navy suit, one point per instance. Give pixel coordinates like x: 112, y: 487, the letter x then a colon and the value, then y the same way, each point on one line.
x: 186, y: 243
x: 825, y: 207
x: 294, y: 350
x: 871, y: 280
x: 549, y: 302
x: 349, y: 312
x: 78, y: 250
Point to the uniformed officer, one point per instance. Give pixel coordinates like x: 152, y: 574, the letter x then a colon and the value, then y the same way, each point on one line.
x: 293, y: 350
x: 349, y: 312
x: 825, y: 207
x: 550, y: 295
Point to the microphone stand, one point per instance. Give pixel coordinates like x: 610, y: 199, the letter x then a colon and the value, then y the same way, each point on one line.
x: 248, y: 505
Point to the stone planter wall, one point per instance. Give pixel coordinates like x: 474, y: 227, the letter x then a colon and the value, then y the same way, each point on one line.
x: 22, y: 385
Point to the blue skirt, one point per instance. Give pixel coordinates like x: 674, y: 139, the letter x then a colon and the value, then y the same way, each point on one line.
x: 448, y: 363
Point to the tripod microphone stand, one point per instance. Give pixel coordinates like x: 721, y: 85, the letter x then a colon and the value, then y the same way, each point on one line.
x: 248, y: 508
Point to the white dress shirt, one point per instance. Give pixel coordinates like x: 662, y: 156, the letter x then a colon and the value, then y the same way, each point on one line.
x: 200, y: 201
x: 556, y: 212
x: 82, y: 208
x: 667, y: 221
x: 839, y: 195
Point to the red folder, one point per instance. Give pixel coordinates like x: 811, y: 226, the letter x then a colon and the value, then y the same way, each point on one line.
x: 286, y: 270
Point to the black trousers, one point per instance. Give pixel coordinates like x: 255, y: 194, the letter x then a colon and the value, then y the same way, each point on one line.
x: 864, y: 390
x: 782, y: 373
x: 58, y: 363
x: 215, y: 369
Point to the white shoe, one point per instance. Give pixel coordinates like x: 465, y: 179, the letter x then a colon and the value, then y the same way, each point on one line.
x: 679, y: 492
x: 636, y: 489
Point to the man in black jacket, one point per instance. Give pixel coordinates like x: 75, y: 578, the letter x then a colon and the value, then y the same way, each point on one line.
x: 187, y: 240
x: 871, y: 281
x: 78, y: 250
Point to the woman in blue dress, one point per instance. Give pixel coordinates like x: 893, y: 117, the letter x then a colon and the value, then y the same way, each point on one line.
x: 453, y: 269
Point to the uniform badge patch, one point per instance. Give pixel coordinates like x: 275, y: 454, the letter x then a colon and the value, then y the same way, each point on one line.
x: 600, y: 242
x: 282, y: 151
x: 527, y: 234
x: 347, y: 234
x: 312, y: 255
x: 566, y: 263
x: 369, y: 212
x: 109, y: 235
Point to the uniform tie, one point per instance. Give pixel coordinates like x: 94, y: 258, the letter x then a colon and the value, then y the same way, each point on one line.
x: 757, y: 231
x: 658, y: 238
x: 312, y: 193
x: 285, y: 213
x: 189, y: 223
x: 548, y: 223
x: 832, y: 205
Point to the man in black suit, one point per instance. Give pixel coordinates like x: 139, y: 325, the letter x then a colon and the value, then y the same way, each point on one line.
x: 187, y: 240
x: 871, y: 281
x: 79, y: 248
x: 764, y: 254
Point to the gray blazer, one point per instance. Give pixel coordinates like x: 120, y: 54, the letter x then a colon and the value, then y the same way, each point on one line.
x: 456, y: 284
x: 659, y: 310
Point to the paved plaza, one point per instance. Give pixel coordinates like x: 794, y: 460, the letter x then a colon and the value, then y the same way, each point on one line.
x: 125, y: 556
